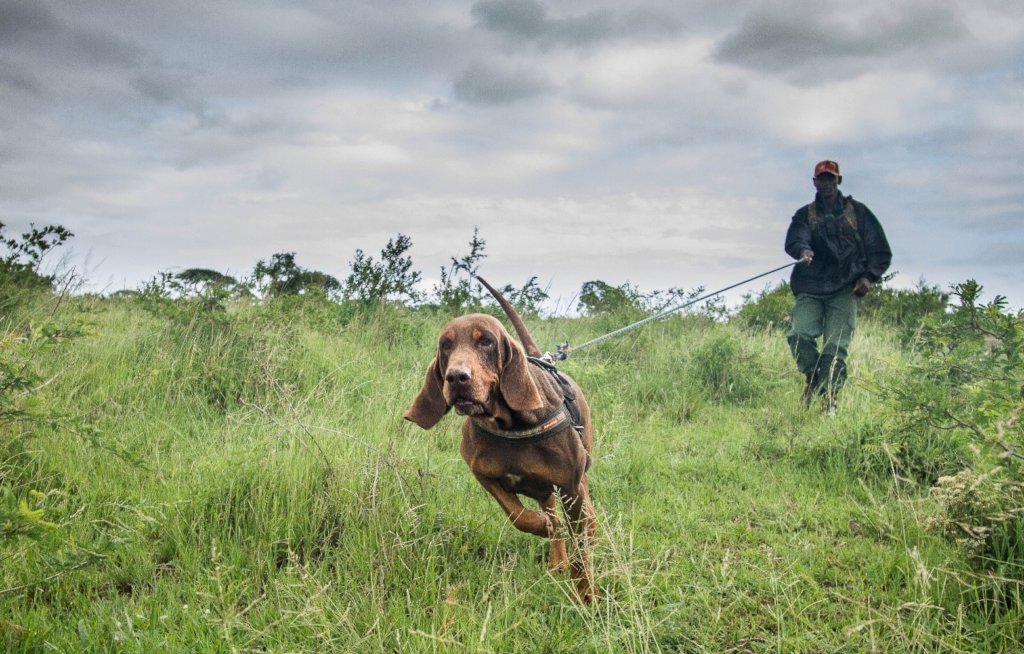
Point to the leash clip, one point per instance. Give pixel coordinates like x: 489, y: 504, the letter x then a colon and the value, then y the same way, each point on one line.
x: 561, y: 353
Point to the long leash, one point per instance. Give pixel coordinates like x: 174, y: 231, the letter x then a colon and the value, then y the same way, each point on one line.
x: 563, y: 349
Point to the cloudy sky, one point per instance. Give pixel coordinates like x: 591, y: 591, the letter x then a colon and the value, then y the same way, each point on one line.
x: 665, y: 143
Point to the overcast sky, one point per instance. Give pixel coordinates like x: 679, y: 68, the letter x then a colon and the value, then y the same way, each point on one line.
x: 665, y: 143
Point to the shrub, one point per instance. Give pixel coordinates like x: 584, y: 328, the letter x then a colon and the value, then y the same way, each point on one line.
x: 771, y: 309
x: 528, y: 299
x: 725, y: 369
x: 456, y: 291
x: 968, y: 375
x: 904, y: 309
x: 390, y: 279
x: 282, y: 276
x: 20, y: 266
x: 167, y: 296
x: 42, y: 533
x: 598, y: 298
x: 956, y: 413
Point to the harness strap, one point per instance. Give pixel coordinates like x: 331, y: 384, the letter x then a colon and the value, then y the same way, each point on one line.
x: 567, y: 392
x: 849, y: 215
x: 567, y: 414
x: 553, y: 423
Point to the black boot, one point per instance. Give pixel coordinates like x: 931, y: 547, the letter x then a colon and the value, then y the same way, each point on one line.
x: 833, y: 383
x: 809, y: 390
x: 829, y: 399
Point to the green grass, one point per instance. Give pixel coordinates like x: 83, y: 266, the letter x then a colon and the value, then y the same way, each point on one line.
x: 283, y: 505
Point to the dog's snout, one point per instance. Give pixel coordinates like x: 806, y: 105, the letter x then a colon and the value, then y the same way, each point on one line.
x: 458, y: 376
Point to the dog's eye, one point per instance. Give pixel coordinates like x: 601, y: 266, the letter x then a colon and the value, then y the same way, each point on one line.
x: 485, y: 342
x: 445, y: 346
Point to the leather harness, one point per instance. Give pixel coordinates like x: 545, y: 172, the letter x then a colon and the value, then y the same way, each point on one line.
x: 849, y: 215
x: 565, y: 414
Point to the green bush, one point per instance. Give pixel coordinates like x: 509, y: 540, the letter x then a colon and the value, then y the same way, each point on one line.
x: 598, y: 298
x: 456, y: 293
x: 771, y: 309
x: 390, y: 279
x: 955, y: 414
x: 904, y: 309
x: 23, y: 336
x: 20, y: 275
x: 281, y: 275
x: 726, y: 369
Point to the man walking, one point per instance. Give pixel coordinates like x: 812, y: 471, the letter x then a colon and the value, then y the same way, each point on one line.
x: 842, y: 251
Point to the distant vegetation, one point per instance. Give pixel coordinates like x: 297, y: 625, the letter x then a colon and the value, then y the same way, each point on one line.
x: 219, y: 464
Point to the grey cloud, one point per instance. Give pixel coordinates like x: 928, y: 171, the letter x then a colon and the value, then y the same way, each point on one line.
x: 788, y: 42
x: 649, y: 22
x: 50, y: 64
x: 528, y: 19
x: 102, y: 47
x: 231, y: 47
x: 19, y: 80
x: 36, y: 29
x: 491, y: 85
x: 108, y: 72
x: 165, y: 87
x: 162, y: 87
x: 23, y: 20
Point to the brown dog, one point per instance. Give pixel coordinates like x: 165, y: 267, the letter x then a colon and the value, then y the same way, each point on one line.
x: 527, y: 430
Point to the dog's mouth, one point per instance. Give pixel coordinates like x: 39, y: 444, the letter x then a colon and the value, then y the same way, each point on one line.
x: 467, y: 407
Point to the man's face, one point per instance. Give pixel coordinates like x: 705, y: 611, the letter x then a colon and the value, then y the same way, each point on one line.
x: 827, y: 186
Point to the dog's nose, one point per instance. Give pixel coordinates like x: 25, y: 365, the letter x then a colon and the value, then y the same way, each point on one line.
x: 458, y: 376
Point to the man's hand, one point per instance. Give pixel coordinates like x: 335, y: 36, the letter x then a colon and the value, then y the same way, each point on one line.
x: 861, y: 288
x: 806, y: 256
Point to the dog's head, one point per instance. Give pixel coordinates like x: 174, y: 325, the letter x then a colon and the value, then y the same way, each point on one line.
x: 477, y: 368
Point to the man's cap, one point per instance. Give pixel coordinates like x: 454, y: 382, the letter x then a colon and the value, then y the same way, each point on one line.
x: 826, y: 166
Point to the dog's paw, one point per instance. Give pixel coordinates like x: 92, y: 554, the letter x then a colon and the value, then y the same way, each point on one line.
x: 558, y: 559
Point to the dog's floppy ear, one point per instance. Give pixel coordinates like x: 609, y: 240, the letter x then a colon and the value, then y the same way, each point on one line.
x: 429, y: 406
x: 517, y: 386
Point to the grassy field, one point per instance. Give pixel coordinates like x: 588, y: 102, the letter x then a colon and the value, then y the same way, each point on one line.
x: 245, y: 483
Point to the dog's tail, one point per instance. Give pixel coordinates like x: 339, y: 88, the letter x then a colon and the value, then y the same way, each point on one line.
x: 524, y: 336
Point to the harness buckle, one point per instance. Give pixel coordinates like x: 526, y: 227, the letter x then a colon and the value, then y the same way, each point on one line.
x: 561, y: 352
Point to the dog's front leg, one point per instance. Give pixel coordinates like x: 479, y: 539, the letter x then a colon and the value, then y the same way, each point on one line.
x: 580, y: 512
x: 558, y: 559
x: 524, y: 519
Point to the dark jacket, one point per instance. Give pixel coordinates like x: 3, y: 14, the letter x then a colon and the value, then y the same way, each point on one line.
x: 842, y: 255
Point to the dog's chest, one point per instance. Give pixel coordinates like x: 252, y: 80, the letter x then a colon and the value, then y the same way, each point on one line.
x: 511, y: 481
x: 530, y: 470
x: 512, y: 478
x: 523, y: 484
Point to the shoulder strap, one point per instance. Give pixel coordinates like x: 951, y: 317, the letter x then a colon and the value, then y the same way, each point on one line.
x: 569, y: 398
x: 849, y: 214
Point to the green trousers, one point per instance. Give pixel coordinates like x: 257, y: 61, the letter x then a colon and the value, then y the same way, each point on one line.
x: 831, y: 318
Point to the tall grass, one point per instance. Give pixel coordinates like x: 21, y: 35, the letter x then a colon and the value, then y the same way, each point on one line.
x: 279, y: 502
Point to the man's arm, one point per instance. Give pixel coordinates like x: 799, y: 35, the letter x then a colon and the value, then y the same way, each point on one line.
x: 876, y: 246
x: 798, y: 237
